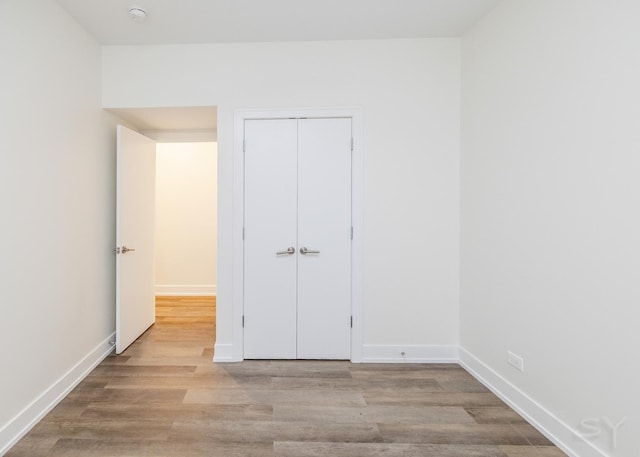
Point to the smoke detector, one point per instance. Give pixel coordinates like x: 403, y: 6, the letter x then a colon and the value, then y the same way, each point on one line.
x: 137, y: 14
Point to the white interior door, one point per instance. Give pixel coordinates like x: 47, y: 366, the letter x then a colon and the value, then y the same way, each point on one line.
x: 324, y: 225
x: 297, y: 302
x: 270, y: 259
x: 135, y: 210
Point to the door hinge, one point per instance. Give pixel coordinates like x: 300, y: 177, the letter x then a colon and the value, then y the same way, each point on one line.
x: 351, y: 144
x: 352, y: 233
x: 244, y: 145
x: 243, y: 233
x: 243, y: 320
x: 351, y: 323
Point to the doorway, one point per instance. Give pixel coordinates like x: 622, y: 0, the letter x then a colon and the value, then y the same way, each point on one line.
x: 297, y: 246
x: 185, y: 152
x: 236, y: 350
x: 186, y: 228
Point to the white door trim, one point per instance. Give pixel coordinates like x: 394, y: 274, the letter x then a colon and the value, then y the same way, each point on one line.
x: 357, y: 247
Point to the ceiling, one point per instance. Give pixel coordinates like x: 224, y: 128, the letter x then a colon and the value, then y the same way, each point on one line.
x: 227, y: 21
x: 240, y: 21
x: 173, y: 118
x: 172, y: 124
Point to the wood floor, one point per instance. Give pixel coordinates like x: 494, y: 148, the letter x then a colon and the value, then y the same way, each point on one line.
x: 164, y: 397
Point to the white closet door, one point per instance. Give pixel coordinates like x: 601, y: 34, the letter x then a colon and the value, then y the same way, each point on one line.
x: 270, y: 223
x: 324, y: 225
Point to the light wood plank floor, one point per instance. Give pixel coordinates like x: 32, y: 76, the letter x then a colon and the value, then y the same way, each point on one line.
x: 164, y: 397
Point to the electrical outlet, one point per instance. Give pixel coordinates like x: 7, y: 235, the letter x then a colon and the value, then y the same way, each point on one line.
x: 515, y: 361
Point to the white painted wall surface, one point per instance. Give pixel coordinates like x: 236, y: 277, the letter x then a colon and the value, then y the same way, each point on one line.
x: 409, y: 93
x: 186, y: 218
x: 550, y: 207
x: 57, y: 194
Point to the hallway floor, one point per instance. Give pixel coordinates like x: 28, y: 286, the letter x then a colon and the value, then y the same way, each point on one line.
x: 164, y: 397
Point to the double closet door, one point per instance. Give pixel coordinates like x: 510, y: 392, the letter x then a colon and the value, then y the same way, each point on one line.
x: 297, y: 238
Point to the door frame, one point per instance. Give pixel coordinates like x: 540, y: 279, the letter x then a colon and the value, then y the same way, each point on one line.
x: 357, y: 207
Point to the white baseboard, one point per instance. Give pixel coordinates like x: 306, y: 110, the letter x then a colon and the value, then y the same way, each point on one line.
x: 556, y: 430
x: 223, y: 353
x: 372, y: 353
x: 177, y: 290
x: 24, y: 421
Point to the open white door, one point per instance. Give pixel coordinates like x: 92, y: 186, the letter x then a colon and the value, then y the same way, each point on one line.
x: 135, y: 219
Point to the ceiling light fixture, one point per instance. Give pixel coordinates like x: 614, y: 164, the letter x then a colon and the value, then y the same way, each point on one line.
x: 137, y: 14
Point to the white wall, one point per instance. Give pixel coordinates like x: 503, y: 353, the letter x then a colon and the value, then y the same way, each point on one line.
x: 409, y: 93
x: 186, y: 218
x: 550, y: 209
x: 57, y: 202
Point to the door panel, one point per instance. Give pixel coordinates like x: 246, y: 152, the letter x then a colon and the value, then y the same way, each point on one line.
x: 135, y: 218
x: 324, y: 225
x: 270, y: 224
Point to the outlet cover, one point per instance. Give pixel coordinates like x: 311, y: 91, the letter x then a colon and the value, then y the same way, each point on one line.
x: 515, y: 361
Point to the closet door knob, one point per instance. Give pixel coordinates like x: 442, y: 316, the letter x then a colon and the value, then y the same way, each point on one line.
x: 304, y: 250
x: 290, y: 250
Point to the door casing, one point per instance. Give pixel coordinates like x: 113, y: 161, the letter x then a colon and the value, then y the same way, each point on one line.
x: 237, y: 349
